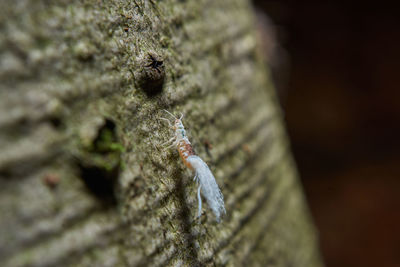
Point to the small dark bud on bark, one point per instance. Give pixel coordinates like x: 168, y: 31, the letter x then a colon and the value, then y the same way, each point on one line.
x: 150, y: 76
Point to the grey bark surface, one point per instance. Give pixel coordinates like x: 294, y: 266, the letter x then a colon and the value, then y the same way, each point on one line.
x: 84, y: 180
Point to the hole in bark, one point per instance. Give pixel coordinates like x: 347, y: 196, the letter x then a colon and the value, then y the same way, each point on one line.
x: 55, y: 122
x: 100, y: 164
x: 151, y: 76
x: 100, y: 183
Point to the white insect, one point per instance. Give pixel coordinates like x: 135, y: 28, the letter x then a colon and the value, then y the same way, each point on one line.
x: 203, y: 176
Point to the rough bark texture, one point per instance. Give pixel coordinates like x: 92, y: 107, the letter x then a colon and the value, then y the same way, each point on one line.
x: 83, y: 178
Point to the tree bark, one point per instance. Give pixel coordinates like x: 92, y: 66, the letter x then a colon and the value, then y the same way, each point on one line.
x: 84, y: 179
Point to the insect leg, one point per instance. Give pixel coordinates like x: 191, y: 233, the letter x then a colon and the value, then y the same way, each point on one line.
x: 169, y: 141
x: 169, y: 123
x: 173, y: 144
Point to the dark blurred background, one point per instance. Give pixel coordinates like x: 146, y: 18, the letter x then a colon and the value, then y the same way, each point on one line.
x: 336, y: 66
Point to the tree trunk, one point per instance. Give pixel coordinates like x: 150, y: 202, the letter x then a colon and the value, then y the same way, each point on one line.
x: 84, y: 179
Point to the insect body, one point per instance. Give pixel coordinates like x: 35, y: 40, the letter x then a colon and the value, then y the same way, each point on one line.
x: 203, y: 176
